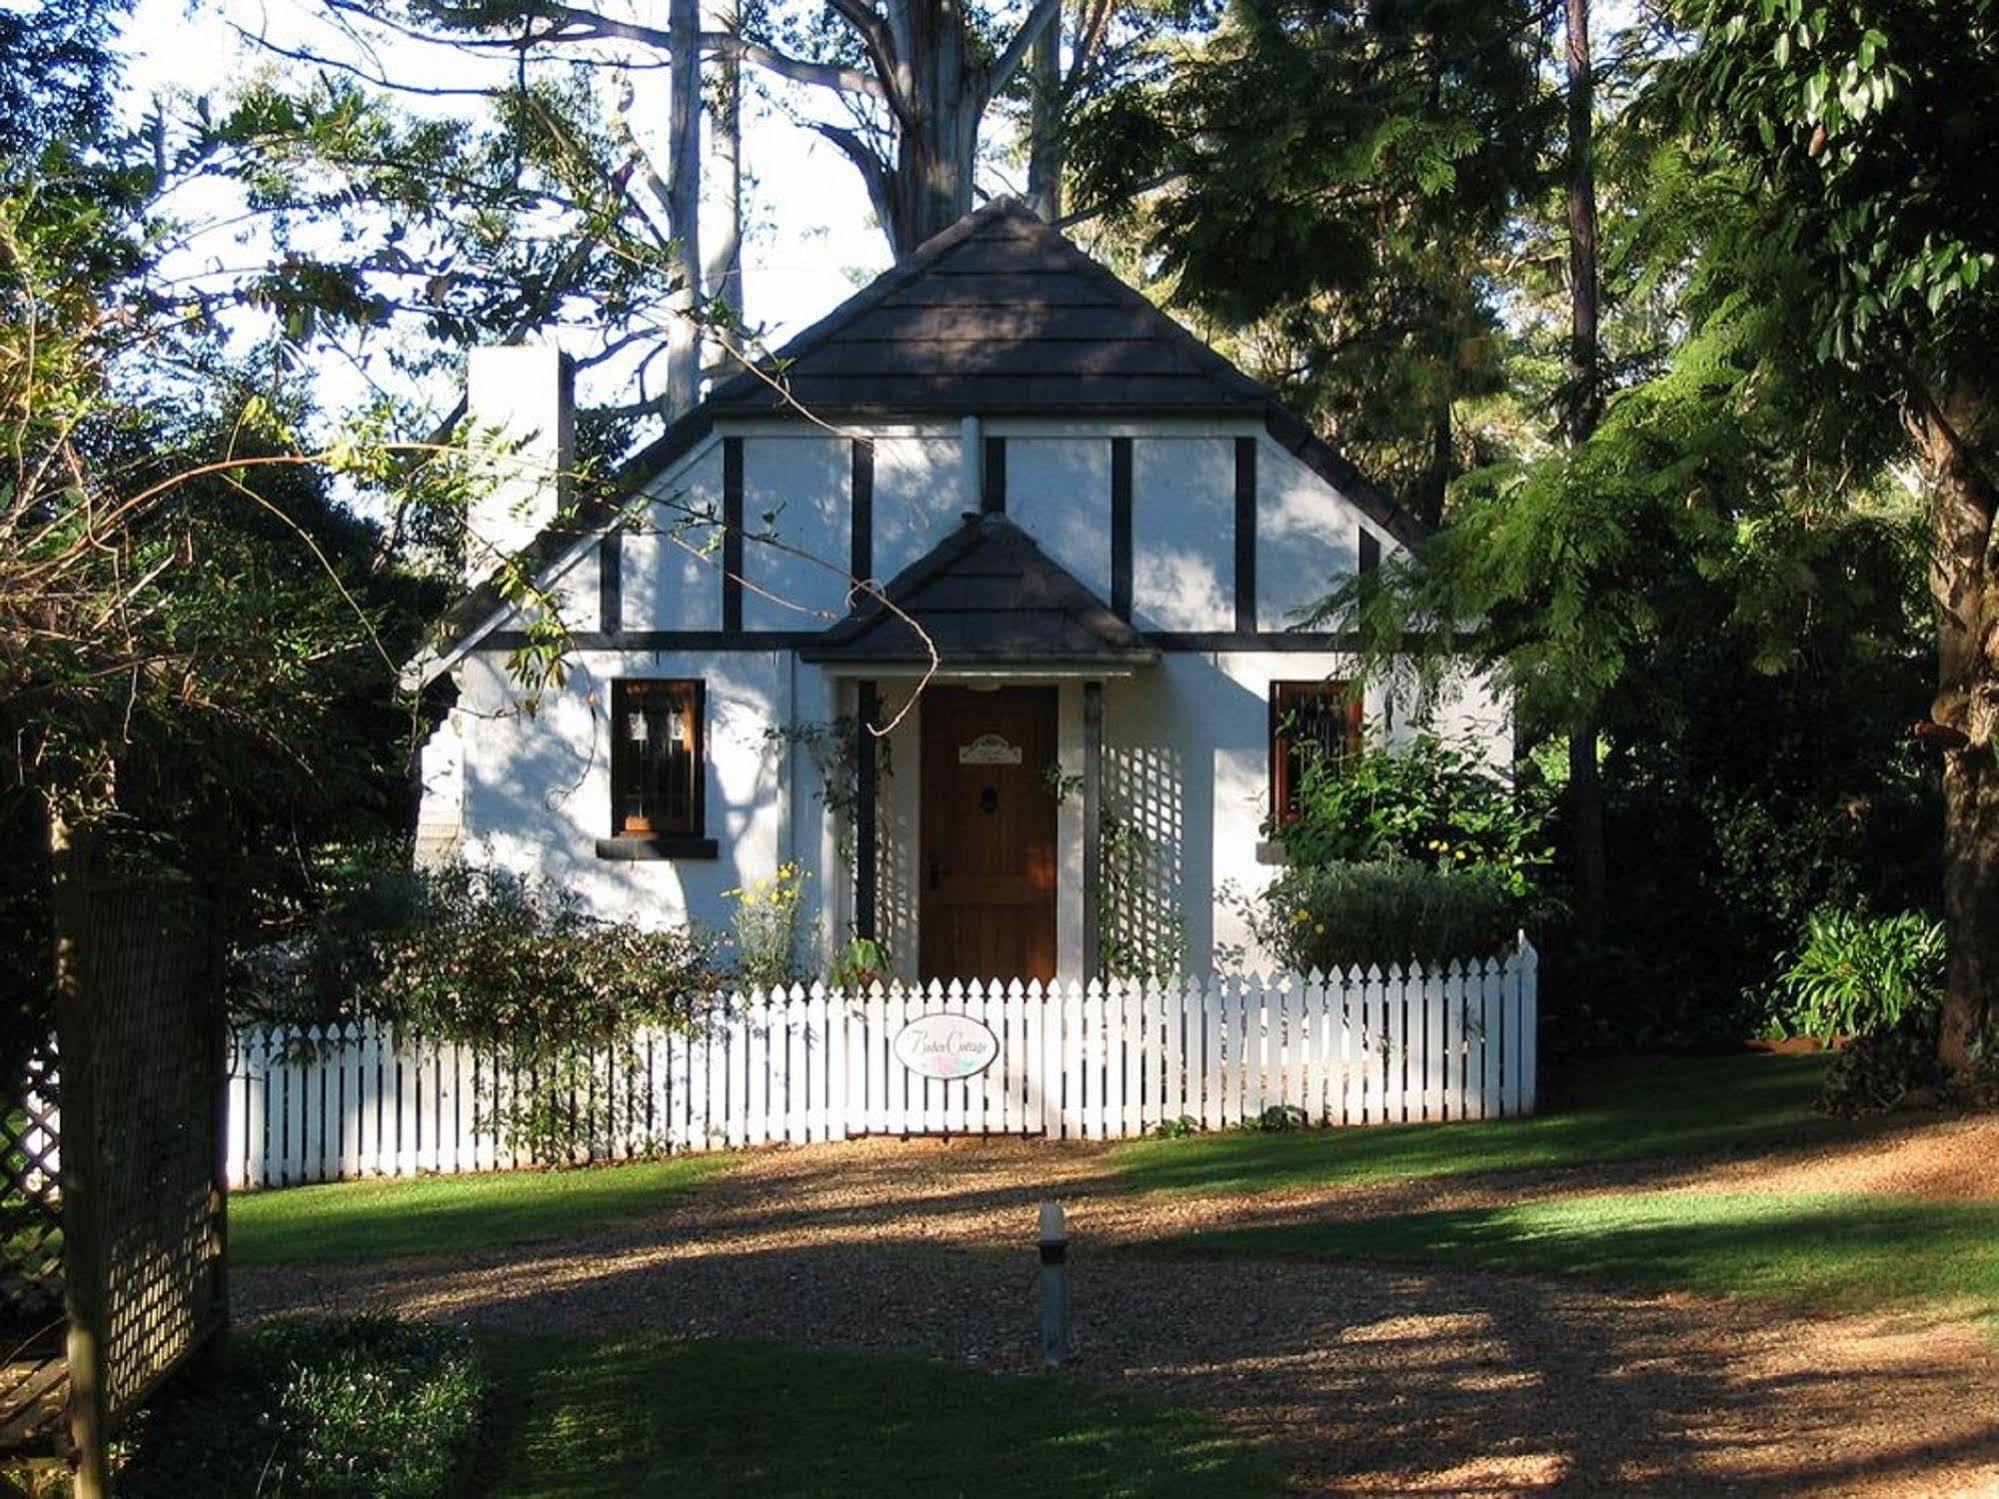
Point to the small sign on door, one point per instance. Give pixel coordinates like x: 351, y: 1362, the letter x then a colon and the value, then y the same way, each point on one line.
x: 989, y: 749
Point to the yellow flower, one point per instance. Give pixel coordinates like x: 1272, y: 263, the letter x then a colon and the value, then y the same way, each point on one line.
x: 1319, y: 929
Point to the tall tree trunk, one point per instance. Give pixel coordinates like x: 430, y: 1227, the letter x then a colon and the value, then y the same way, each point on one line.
x: 723, y: 277
x: 1435, y: 481
x: 1585, y: 405
x: 683, y: 187
x: 1966, y: 599
x: 932, y: 182
x: 1044, y: 130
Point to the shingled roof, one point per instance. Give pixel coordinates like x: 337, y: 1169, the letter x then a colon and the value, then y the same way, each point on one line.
x: 998, y: 314
x: 986, y: 593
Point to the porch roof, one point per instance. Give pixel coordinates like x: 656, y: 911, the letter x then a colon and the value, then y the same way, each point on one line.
x: 987, y: 596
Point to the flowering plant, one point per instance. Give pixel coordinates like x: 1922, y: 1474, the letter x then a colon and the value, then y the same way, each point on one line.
x: 765, y: 926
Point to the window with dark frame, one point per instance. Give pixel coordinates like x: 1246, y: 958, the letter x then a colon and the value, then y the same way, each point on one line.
x: 657, y: 752
x: 1309, y: 723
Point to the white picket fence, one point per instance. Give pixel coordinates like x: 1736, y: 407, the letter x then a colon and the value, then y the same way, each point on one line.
x: 1109, y: 1061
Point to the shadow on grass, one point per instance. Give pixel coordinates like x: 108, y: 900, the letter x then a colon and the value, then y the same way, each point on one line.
x: 1628, y: 1110
x: 451, y: 1214
x: 1380, y: 1381
x: 1830, y: 1251
x: 727, y: 1418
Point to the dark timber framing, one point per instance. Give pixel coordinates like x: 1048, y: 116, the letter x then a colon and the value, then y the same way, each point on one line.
x: 786, y: 640
x: 1121, y: 527
x: 611, y: 582
x: 732, y: 534
x: 861, y: 549
x: 992, y: 482
x: 1370, y: 551
x: 1093, y: 832
x: 1245, y: 535
x: 865, y: 832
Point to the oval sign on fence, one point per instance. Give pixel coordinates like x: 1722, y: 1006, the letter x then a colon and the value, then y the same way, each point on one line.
x: 951, y: 1047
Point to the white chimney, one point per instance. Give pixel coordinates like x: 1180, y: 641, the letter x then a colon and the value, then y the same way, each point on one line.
x: 519, y: 399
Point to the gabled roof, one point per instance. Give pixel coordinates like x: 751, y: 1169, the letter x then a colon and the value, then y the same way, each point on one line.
x: 986, y: 593
x: 998, y: 315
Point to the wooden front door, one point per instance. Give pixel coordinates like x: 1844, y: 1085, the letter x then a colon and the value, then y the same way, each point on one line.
x: 988, y: 834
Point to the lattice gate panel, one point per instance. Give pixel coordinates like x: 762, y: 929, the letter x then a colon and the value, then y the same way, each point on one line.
x: 153, y: 1071
x: 30, y: 1196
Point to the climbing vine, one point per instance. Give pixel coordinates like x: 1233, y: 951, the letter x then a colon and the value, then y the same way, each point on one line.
x: 835, y: 748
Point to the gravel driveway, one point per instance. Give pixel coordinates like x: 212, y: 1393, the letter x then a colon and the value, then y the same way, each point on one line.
x: 1382, y: 1381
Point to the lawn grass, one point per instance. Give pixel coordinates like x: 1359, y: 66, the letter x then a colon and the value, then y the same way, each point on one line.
x: 1815, y: 1252
x: 724, y: 1418
x: 450, y: 1214
x: 1626, y: 1110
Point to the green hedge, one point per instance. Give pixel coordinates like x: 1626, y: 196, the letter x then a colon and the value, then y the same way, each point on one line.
x: 320, y: 1408
x: 1392, y: 911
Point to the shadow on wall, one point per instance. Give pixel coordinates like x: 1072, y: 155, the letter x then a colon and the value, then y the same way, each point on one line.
x: 895, y: 848
x: 1144, y: 860
x: 1183, y: 771
x: 538, y: 797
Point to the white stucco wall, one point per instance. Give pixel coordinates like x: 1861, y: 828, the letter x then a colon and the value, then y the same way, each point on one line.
x: 1188, y: 765
x: 1186, y: 740
x: 672, y: 556
x: 537, y: 791
x: 1307, y: 538
x: 1058, y: 489
x: 796, y: 500
x: 1183, y: 533
x: 921, y: 491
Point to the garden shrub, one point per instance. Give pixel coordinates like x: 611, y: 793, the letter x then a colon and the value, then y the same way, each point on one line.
x: 1854, y: 974
x: 1893, y: 1066
x: 1389, y: 911
x: 488, y: 959
x: 324, y: 1408
x: 1433, y: 802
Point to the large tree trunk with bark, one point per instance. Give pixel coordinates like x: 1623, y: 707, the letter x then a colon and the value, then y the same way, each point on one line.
x: 725, y: 247
x: 1966, y: 598
x: 1044, y: 130
x: 683, y: 187
x: 1585, y: 405
x: 931, y: 187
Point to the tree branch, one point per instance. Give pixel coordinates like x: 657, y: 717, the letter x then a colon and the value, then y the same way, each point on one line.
x: 1001, y: 72
x: 824, y: 75
x: 874, y: 171
x: 880, y: 44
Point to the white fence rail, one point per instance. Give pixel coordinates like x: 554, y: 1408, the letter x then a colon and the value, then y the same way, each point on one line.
x: 1109, y: 1061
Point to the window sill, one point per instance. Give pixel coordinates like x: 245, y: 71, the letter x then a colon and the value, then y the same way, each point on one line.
x: 1270, y: 851
x: 650, y: 846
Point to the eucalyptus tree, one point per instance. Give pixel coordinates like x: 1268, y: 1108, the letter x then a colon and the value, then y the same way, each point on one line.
x: 905, y: 90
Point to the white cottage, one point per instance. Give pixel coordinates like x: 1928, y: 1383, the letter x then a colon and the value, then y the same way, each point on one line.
x: 1105, y: 531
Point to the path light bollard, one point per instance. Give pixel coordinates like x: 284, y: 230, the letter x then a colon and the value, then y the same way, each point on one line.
x: 1054, y: 1286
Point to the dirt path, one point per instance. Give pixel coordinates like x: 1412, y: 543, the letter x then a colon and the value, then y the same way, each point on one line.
x: 1376, y: 1380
